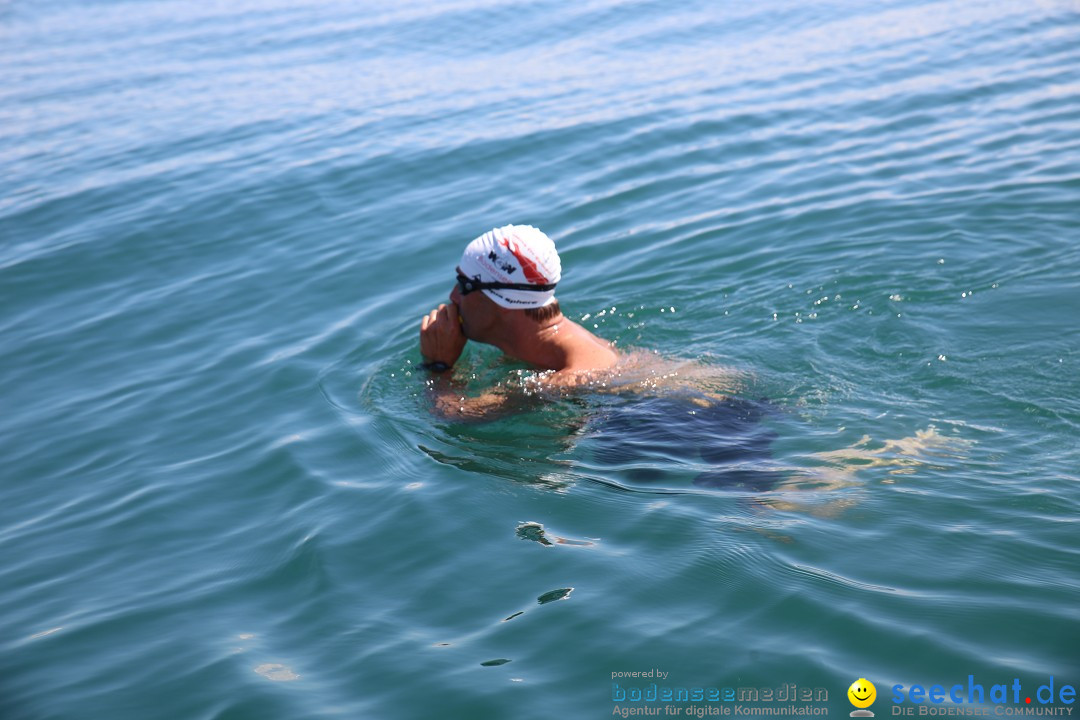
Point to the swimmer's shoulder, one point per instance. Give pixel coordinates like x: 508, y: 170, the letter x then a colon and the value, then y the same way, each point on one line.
x: 596, y: 364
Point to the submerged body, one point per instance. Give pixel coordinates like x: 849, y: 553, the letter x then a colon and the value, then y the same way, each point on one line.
x: 723, y: 441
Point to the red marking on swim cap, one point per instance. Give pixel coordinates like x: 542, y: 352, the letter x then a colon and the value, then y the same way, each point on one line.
x: 532, y: 273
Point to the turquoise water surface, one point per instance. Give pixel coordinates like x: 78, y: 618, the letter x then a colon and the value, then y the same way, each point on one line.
x: 224, y: 494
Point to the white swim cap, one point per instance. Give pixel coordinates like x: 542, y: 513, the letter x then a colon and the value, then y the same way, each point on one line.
x: 517, y: 255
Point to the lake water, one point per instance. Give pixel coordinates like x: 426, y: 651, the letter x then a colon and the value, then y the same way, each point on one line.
x: 224, y: 495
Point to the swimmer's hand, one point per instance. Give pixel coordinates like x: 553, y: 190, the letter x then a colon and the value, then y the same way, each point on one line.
x: 441, y: 337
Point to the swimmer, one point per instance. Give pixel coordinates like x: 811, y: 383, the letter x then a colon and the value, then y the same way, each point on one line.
x: 678, y: 410
x: 505, y: 296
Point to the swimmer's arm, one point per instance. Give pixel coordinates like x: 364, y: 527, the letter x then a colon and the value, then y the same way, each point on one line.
x: 441, y: 343
x: 566, y: 379
x: 441, y: 336
x: 449, y: 401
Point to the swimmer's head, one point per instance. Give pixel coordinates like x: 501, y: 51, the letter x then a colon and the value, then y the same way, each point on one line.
x: 516, y: 266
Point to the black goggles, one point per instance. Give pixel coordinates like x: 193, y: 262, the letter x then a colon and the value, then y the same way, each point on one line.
x: 466, y: 285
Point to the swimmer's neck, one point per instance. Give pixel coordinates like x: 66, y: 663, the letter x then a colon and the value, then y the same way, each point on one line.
x: 559, y: 344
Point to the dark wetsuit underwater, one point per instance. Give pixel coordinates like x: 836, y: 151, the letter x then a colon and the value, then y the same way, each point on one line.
x: 655, y: 433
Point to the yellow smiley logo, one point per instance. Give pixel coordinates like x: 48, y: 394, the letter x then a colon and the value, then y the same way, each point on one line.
x: 862, y: 693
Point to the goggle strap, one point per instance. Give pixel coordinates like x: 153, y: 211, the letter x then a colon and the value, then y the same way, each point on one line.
x: 474, y: 284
